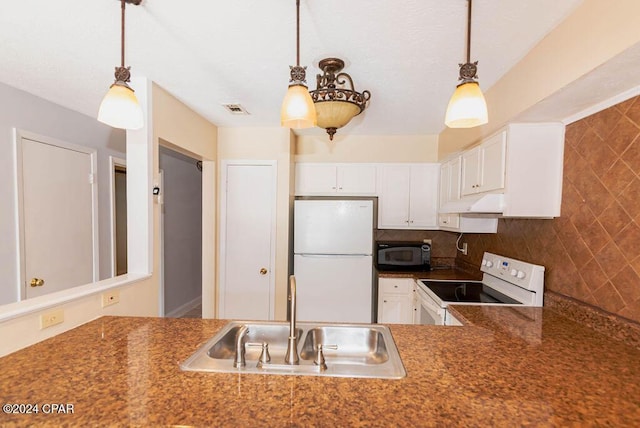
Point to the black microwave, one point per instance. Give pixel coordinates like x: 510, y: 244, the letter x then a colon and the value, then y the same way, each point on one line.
x: 403, y: 256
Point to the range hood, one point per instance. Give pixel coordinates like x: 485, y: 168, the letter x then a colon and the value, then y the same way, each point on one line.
x: 492, y: 203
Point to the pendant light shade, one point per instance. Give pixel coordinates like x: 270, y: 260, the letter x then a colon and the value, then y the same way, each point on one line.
x: 298, y: 110
x: 120, y: 107
x: 336, y: 99
x: 467, y: 107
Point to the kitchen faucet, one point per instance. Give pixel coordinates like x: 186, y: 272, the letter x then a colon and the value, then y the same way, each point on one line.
x: 291, y: 357
x: 239, y: 360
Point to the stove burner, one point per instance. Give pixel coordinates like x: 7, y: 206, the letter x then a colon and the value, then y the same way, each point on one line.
x: 467, y: 291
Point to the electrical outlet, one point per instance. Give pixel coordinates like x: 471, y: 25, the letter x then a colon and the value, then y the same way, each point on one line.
x: 110, y: 298
x: 465, y: 248
x: 51, y: 318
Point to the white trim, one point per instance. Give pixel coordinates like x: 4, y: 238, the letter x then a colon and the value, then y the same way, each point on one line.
x: 184, y: 309
x: 223, y: 226
x: 160, y: 200
x: 18, y: 136
x: 113, y: 162
x: 35, y: 304
x: 602, y: 105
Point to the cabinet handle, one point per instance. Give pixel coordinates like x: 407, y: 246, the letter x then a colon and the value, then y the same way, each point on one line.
x: 334, y: 187
x: 411, y: 222
x: 340, y: 188
x: 384, y: 301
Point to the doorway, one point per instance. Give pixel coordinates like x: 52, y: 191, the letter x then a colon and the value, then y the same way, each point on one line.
x: 181, y: 233
x: 118, y: 191
x: 247, y: 240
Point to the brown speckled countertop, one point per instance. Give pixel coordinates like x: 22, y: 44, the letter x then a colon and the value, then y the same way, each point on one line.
x: 509, y: 367
x: 438, y: 273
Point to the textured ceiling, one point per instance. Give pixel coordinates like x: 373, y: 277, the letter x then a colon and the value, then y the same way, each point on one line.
x: 210, y: 52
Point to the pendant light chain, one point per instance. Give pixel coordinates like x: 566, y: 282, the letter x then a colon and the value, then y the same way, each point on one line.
x: 469, y: 33
x: 122, y: 73
x: 298, y: 73
x: 298, y: 33
x: 122, y: 14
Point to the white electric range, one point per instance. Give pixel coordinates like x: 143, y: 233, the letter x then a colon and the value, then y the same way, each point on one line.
x: 505, y: 281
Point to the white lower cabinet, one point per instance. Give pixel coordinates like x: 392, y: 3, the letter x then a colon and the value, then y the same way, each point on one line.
x: 396, y: 301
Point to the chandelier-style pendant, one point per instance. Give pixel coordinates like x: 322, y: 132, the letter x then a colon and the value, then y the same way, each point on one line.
x: 335, y: 97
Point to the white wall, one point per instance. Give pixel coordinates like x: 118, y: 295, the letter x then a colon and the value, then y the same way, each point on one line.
x: 19, y: 109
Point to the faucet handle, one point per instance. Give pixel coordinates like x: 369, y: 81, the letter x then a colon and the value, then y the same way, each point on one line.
x: 264, y: 355
x: 319, y: 361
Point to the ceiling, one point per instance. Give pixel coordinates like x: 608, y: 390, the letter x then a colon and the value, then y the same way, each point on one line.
x: 210, y: 52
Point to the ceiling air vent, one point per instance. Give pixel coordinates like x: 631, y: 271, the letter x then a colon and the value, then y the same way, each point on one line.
x: 235, y: 109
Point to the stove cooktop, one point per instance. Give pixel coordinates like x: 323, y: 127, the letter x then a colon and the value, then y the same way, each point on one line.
x: 467, y: 292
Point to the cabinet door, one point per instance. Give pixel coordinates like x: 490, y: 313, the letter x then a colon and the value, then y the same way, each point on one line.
x: 470, y: 178
x: 395, y: 309
x: 356, y: 179
x: 315, y: 179
x: 423, y: 196
x: 393, y: 201
x: 493, y: 163
x: 455, y: 172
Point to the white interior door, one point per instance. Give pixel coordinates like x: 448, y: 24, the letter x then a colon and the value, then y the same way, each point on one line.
x: 58, y: 220
x: 247, y: 236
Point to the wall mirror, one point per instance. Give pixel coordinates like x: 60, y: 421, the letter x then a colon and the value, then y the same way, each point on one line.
x: 45, y: 150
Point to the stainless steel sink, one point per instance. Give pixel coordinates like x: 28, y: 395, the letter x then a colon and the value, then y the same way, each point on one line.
x: 362, y: 350
x: 360, y: 345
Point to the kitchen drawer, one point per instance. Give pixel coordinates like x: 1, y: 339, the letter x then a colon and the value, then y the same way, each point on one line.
x: 395, y: 285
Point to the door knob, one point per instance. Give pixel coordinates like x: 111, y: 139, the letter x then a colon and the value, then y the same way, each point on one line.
x: 263, y: 271
x: 37, y: 282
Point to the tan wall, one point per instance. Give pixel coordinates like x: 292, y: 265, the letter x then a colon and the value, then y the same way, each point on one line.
x: 367, y: 148
x: 596, y: 32
x: 268, y: 144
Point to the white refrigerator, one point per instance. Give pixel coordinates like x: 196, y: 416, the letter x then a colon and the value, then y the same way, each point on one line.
x: 332, y: 262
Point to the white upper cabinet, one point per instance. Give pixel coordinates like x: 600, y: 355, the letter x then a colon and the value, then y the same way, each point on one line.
x: 325, y: 179
x: 408, y: 196
x: 483, y: 168
x: 514, y: 173
x: 449, y: 191
x: 450, y: 174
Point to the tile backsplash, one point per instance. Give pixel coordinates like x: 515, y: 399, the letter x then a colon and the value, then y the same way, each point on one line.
x: 592, y: 251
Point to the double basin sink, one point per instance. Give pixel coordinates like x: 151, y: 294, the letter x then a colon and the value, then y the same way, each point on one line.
x: 350, y: 350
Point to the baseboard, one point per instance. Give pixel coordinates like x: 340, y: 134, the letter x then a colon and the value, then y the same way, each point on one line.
x: 183, y: 309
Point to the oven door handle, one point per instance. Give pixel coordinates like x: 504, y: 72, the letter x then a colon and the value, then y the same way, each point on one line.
x: 428, y: 302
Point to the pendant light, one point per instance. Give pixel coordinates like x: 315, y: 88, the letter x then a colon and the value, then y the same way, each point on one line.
x: 467, y: 107
x: 298, y: 110
x: 336, y: 99
x: 120, y: 107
